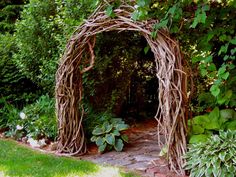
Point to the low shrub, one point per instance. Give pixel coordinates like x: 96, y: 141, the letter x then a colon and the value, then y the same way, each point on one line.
x: 216, y: 157
x: 8, y: 114
x: 37, y: 120
x: 203, y: 126
x: 108, y: 135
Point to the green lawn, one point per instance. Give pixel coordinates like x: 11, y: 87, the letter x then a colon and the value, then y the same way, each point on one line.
x: 16, y: 160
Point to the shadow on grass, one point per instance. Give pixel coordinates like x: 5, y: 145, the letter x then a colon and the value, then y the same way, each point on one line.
x: 16, y: 160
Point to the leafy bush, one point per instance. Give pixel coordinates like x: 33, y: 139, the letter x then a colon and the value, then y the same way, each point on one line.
x: 216, y: 157
x: 8, y: 114
x: 36, y: 120
x: 203, y: 126
x: 108, y: 136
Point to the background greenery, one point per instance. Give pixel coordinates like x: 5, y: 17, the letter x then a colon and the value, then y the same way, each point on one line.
x: 33, y: 37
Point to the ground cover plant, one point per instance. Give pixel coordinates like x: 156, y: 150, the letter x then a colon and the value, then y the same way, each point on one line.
x: 107, y: 136
x: 17, y: 160
x: 215, y: 157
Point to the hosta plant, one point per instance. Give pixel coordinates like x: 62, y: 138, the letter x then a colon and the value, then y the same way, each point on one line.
x: 108, y: 135
x: 214, y: 158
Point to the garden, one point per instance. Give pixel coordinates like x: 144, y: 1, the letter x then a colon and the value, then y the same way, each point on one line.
x: 76, y: 74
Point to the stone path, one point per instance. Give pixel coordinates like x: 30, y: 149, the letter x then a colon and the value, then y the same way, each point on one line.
x: 140, y: 155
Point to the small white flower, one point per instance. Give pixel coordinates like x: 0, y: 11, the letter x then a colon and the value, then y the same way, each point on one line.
x: 42, y: 142
x: 18, y: 127
x: 34, y: 143
x: 22, y: 115
x: 136, y: 6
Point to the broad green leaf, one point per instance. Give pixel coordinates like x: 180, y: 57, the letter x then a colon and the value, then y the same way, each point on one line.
x: 135, y: 15
x: 110, y: 139
x: 225, y: 75
x: 116, y: 133
x: 202, y: 17
x: 231, y: 125
x: 215, y: 113
x: 93, y: 138
x: 203, y: 72
x: 109, y: 11
x: 108, y: 127
x: 119, y: 145
x: 201, y: 120
x: 197, y: 59
x: 214, y: 123
x: 221, y: 100
x: 121, y: 127
x: 98, y: 131
x: 215, y: 90
x: 99, y: 141
x: 229, y: 94
x: 117, y: 121
x: 211, y: 67
x: 162, y: 24
x: 222, y: 70
x: 197, y: 129
x: 233, y: 41
x: 125, y: 138
x: 146, y: 49
x: 143, y: 3
x: 223, y: 49
x: 154, y: 34
x: 198, y: 138
x: 227, y: 113
x: 102, y: 147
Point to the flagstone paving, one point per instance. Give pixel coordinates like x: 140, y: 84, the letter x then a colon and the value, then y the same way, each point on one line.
x: 141, y: 154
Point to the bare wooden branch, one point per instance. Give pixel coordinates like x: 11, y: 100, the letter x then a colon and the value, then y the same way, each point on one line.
x: 172, y: 112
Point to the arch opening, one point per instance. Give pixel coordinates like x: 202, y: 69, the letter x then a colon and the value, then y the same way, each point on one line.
x: 123, y: 80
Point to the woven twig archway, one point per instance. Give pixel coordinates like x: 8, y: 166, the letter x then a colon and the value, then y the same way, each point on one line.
x: 79, y: 58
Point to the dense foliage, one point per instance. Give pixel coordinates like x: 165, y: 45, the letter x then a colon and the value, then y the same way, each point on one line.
x: 215, y: 157
x: 203, y: 126
x: 33, y: 37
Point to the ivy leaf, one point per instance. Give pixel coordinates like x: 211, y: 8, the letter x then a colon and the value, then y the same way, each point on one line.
x: 225, y: 75
x: 154, y: 34
x: 215, y: 90
x: 211, y: 67
x: 109, y: 11
x: 223, y: 49
x: 135, y: 15
x: 146, y: 49
x: 197, y: 59
x: 221, y: 70
x: 202, y: 17
x: 162, y: 24
x: 233, y: 41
